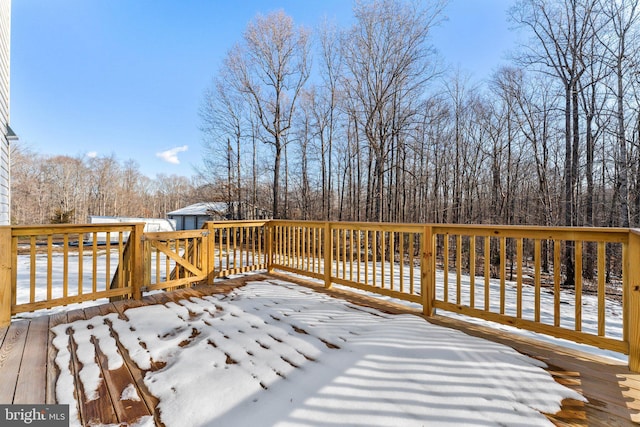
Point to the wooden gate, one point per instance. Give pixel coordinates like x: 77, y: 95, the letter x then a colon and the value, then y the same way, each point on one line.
x: 174, y: 259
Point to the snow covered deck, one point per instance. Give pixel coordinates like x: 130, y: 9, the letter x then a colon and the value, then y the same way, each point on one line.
x: 272, y: 352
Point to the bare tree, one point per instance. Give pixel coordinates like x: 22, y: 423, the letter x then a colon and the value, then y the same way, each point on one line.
x: 29, y: 191
x: 270, y: 68
x: 223, y: 115
x: 66, y: 185
x: 561, y: 32
x: 70, y: 189
x: 622, y: 17
x: 388, y: 59
x: 326, y: 109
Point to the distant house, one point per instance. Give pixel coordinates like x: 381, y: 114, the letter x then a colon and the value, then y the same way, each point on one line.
x: 194, y: 216
x: 6, y: 134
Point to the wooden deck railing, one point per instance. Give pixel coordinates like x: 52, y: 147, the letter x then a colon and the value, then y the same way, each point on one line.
x: 537, y: 260
x: 56, y: 265
x: 515, y: 276
x: 61, y: 264
x: 237, y: 247
x: 511, y: 275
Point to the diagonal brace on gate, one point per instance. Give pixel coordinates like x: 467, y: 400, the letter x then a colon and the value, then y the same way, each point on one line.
x: 165, y: 249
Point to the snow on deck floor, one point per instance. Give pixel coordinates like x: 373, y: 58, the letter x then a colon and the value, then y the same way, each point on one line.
x: 274, y: 353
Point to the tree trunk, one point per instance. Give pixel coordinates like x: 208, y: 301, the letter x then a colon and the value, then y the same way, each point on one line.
x: 276, y: 179
x: 568, y: 190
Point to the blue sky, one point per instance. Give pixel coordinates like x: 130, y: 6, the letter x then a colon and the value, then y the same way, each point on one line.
x: 126, y: 77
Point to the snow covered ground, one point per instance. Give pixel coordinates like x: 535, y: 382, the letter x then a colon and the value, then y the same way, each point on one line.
x: 274, y: 353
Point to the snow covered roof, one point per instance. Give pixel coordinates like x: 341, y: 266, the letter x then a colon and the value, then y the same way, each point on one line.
x: 202, y: 208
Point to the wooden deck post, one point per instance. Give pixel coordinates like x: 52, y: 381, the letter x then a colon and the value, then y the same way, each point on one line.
x: 5, y: 275
x: 146, y: 248
x: 269, y: 243
x: 327, y: 255
x: 427, y: 272
x: 632, y: 292
x: 137, y: 275
x: 208, y: 257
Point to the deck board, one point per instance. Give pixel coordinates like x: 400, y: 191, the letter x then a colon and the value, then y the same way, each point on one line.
x: 11, y: 354
x: 148, y: 401
x: 96, y: 411
x: 52, y: 368
x: 119, y: 379
x: 3, y: 333
x: 33, y: 368
x: 28, y: 371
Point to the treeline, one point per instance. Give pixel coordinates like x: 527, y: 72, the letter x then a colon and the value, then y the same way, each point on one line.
x: 63, y: 189
x: 363, y: 123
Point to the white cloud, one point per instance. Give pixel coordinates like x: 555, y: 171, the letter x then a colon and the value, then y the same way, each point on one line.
x: 171, y: 155
x: 92, y: 154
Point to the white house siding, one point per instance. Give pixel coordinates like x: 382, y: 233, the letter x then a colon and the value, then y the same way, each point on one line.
x: 5, y: 194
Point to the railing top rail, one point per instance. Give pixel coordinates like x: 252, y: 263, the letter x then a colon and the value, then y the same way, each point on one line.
x: 293, y: 222
x: 375, y: 226
x: 543, y: 232
x: 236, y: 223
x: 531, y: 227
x: 608, y: 234
x: 619, y: 235
x: 379, y: 226
x: 30, y: 230
x: 183, y: 234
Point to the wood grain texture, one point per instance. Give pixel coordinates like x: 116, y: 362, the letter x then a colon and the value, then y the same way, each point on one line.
x: 11, y: 354
x: 33, y: 369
